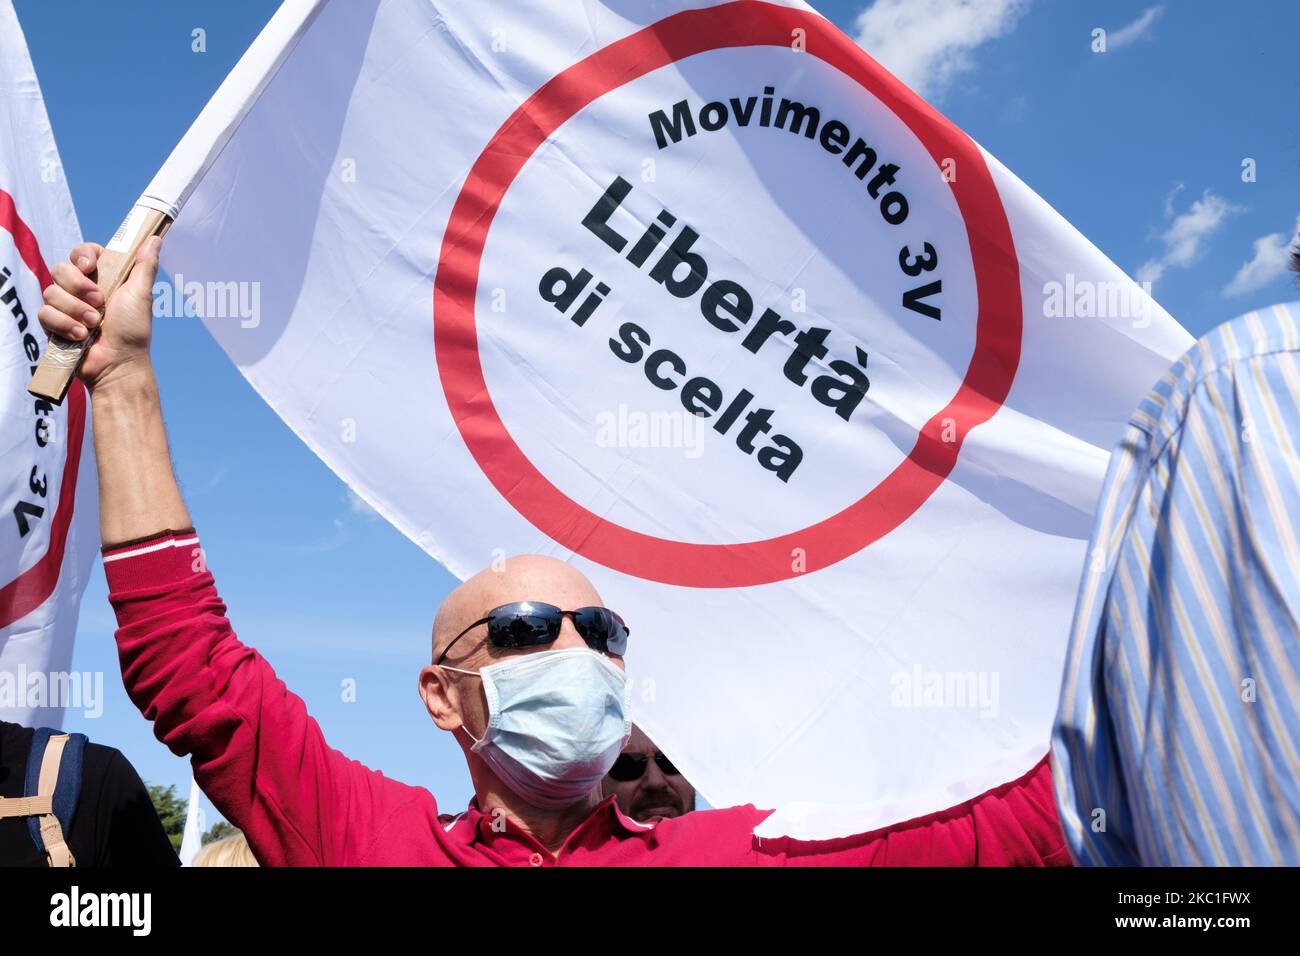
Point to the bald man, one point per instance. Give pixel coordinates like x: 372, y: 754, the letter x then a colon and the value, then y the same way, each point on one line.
x: 526, y: 672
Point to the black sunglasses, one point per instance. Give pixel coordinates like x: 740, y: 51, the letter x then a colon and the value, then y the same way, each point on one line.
x: 630, y: 767
x: 530, y: 624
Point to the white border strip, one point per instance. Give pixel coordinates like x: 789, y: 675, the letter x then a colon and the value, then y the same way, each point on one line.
x: 150, y: 548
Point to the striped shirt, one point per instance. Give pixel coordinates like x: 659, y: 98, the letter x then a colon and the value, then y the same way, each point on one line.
x: 1177, y: 740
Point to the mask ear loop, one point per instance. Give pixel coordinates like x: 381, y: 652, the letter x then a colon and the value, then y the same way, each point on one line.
x: 448, y: 667
x: 458, y: 670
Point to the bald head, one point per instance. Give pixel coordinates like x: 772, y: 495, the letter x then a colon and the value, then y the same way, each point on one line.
x: 454, y: 690
x: 526, y: 577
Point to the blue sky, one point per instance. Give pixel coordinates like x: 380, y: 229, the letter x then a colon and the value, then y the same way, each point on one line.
x: 1141, y: 147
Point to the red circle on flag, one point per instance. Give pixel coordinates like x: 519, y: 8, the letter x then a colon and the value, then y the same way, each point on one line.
x: 33, y: 587
x: 992, y: 369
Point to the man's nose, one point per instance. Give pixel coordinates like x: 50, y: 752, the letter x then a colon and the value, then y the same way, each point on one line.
x: 569, y: 637
x: 654, y: 778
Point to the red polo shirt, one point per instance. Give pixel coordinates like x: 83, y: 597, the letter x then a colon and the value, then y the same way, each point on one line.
x: 265, y: 765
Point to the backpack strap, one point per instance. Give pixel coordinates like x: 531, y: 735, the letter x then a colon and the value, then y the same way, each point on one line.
x: 53, y: 774
x: 24, y: 806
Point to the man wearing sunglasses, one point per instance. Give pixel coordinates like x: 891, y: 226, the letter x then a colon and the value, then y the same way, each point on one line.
x: 526, y: 672
x: 646, y: 784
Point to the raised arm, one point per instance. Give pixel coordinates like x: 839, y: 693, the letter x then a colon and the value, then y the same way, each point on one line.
x: 138, y: 495
x: 255, y: 750
x: 1014, y: 824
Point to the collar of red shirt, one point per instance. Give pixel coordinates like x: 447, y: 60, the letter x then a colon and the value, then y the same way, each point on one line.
x: 500, y: 837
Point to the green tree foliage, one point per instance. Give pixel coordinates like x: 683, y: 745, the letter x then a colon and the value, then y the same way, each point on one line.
x: 219, y: 831
x: 171, y: 811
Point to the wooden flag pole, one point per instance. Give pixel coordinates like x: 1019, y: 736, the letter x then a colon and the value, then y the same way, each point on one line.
x: 62, y: 358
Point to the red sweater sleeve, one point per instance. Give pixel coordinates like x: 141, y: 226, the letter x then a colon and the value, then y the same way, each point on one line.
x: 1011, y: 825
x: 256, y: 752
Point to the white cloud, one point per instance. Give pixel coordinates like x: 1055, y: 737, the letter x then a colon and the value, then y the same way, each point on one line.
x: 1186, y: 236
x: 1169, y: 200
x: 359, y: 506
x: 1191, y: 229
x: 1149, y: 272
x: 1115, y: 39
x: 926, y: 43
x: 218, y: 476
x: 1271, y: 259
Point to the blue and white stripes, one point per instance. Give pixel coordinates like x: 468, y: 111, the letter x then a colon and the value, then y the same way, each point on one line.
x: 1178, y: 735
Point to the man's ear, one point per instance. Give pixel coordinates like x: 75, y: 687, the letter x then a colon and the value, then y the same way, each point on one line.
x: 440, y: 698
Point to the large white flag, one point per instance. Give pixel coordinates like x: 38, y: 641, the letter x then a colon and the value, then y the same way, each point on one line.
x: 49, y: 534
x: 700, y: 298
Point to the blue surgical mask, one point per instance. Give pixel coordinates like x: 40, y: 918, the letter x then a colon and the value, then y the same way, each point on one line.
x: 557, y: 721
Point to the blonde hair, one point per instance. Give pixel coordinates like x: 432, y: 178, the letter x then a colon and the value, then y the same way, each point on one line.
x: 230, y: 851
